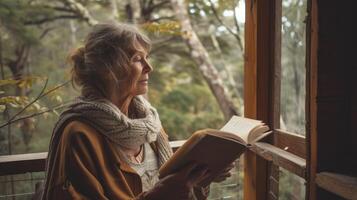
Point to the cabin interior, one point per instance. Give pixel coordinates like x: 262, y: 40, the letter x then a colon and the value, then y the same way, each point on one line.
x: 326, y: 158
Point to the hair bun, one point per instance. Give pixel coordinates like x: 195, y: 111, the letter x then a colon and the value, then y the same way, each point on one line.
x: 78, y: 57
x: 78, y: 70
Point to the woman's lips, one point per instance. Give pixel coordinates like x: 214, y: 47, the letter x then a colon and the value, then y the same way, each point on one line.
x: 144, y: 81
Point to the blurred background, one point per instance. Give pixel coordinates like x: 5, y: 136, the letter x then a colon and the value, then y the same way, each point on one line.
x: 197, y: 82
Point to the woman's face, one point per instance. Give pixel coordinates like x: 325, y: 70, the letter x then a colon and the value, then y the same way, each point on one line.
x: 140, y: 72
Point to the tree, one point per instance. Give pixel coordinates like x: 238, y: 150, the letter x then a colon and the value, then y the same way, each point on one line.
x: 202, y: 59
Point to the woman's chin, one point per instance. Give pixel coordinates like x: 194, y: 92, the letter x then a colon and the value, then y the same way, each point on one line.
x: 142, y: 91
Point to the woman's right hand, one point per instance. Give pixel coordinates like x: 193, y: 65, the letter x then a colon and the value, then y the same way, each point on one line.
x: 178, y: 186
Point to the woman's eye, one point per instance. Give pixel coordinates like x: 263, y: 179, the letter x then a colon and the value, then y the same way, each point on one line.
x: 137, y: 58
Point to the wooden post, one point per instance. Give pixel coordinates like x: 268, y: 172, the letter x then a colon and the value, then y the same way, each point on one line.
x: 262, y: 90
x: 332, y: 106
x: 311, y: 111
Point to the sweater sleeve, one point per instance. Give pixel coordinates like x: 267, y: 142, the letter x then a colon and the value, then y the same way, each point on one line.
x: 82, y: 181
x: 90, y: 174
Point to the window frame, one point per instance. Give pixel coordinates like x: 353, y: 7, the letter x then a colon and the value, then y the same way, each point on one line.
x: 262, y: 84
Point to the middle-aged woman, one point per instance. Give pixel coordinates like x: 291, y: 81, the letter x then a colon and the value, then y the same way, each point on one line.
x: 109, y: 143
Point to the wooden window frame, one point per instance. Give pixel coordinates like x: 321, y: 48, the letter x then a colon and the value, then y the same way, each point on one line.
x: 262, y: 80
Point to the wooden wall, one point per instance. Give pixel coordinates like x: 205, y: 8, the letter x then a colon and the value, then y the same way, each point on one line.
x: 333, y: 92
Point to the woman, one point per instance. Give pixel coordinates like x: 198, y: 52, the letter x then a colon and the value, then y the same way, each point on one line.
x: 109, y: 144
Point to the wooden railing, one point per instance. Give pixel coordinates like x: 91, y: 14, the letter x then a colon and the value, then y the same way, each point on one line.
x: 35, y: 162
x: 286, y: 154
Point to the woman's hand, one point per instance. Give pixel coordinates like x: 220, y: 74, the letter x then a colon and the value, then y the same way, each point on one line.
x: 224, y: 174
x: 178, y: 186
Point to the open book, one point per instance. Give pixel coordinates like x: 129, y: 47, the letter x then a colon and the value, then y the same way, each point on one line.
x: 216, y: 149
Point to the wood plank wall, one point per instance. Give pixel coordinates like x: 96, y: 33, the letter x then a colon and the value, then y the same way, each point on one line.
x: 332, y: 141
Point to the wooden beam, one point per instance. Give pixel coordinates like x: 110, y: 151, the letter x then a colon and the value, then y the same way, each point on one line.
x: 36, y: 162
x: 311, y: 94
x: 255, y: 176
x: 281, y: 158
x: 342, y: 185
x: 22, y: 163
x: 261, y: 89
x: 176, y: 144
x: 290, y: 142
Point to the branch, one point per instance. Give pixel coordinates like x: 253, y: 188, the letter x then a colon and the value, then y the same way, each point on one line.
x: 33, y: 115
x: 41, y: 94
x: 81, y: 11
x: 237, y: 26
x: 223, y: 24
x: 58, y: 8
x: 159, y: 44
x: 44, y: 33
x: 45, y: 20
x: 32, y: 102
x: 155, y: 6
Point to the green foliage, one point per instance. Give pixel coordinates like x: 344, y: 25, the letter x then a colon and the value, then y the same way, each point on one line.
x: 169, y: 28
x: 14, y: 14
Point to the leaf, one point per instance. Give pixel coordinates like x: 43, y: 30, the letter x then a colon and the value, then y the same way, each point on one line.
x: 28, y: 81
x: 171, y: 27
x: 37, y: 106
x: 2, y: 108
x: 25, y: 82
x: 46, y: 115
x: 59, y: 99
x: 8, y: 82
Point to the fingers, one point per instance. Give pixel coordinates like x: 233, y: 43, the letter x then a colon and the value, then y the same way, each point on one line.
x: 188, y: 169
x: 223, y: 175
x: 198, y: 174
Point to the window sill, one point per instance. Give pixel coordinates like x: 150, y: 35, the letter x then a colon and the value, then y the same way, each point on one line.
x: 342, y: 185
x: 281, y: 158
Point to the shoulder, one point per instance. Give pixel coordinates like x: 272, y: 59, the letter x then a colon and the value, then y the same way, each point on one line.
x: 80, y: 132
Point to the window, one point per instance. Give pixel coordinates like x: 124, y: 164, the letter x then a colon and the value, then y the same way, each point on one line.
x: 268, y: 70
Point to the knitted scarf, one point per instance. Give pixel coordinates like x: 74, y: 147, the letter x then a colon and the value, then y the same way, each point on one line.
x: 108, y: 120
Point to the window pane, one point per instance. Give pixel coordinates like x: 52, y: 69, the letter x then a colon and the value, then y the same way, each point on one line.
x: 293, y: 66
x: 291, y: 187
x: 232, y: 187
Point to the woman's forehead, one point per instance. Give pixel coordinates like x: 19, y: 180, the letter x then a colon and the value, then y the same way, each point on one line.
x: 140, y: 44
x: 140, y: 49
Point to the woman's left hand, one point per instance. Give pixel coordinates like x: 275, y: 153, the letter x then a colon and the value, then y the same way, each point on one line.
x: 224, y: 174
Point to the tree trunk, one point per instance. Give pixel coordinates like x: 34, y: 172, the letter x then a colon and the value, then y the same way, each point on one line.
x: 80, y: 10
x: 73, y: 29
x: 202, y: 59
x: 113, y: 10
x: 133, y: 10
x: 17, y: 68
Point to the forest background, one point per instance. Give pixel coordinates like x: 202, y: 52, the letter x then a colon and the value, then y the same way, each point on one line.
x: 197, y: 82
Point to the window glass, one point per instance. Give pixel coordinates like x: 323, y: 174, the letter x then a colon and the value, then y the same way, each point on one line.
x: 290, y: 186
x: 293, y: 66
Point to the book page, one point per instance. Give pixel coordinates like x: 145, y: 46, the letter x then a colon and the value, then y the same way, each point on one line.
x: 241, y: 126
x: 256, y: 133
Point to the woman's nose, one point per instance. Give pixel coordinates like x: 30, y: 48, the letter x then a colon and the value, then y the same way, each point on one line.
x: 147, y: 67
